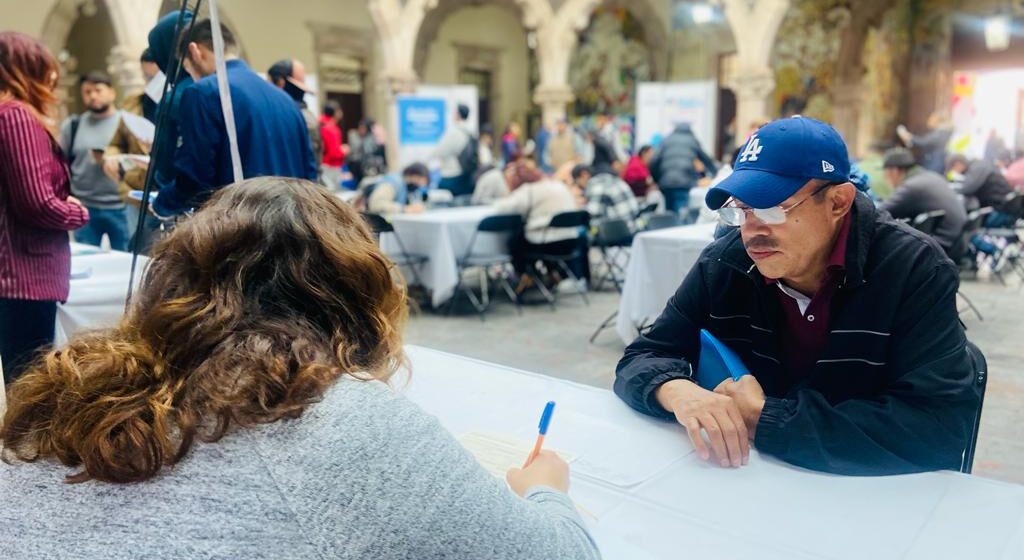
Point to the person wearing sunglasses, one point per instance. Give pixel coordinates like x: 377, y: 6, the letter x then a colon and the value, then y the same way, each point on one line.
x: 845, y: 318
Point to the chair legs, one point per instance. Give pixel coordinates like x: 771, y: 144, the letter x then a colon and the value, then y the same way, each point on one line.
x: 608, y: 322
x: 613, y: 270
x: 483, y: 303
x: 970, y: 304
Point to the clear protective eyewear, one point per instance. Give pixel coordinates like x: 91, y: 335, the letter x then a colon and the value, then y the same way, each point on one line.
x: 733, y: 214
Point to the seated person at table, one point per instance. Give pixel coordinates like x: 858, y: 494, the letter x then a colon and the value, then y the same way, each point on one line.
x: 846, y: 319
x: 387, y: 194
x: 608, y: 197
x: 241, y: 410
x: 918, y: 190
x: 984, y: 186
x: 490, y: 186
x: 538, y: 199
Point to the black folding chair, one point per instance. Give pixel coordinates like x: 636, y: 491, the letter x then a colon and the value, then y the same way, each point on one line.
x: 981, y: 380
x: 579, y: 219
x: 613, y: 239
x: 380, y: 225
x: 927, y: 222
x: 504, y: 224
x: 663, y: 220
x: 965, y: 254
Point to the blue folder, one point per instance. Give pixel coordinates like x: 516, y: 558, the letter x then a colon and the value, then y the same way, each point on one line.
x: 717, y: 362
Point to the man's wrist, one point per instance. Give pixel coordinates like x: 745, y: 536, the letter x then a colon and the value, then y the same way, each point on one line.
x: 671, y: 390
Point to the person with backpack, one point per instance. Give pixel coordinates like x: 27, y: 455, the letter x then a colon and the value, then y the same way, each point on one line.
x: 459, y: 155
x: 85, y: 139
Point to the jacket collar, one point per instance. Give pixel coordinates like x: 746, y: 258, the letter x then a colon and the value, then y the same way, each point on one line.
x: 862, y: 230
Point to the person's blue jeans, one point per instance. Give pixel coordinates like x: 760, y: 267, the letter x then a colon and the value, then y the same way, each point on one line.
x: 676, y: 200
x: 110, y: 222
x: 1000, y: 220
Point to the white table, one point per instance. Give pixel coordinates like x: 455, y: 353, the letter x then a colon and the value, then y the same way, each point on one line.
x: 99, y: 285
x: 442, y: 235
x: 659, y: 260
x: 647, y: 495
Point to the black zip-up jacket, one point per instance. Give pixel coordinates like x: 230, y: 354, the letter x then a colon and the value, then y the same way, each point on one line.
x: 893, y: 390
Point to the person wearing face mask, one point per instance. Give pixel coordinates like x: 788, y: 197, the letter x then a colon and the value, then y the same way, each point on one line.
x: 290, y: 75
x: 272, y: 137
x: 394, y: 195
x: 84, y: 138
x: 846, y: 319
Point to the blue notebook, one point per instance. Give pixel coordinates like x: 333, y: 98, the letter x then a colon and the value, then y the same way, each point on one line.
x: 717, y: 362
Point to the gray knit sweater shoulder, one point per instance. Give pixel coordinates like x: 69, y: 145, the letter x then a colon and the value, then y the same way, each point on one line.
x: 363, y: 474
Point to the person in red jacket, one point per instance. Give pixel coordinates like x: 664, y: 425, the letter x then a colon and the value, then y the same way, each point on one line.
x: 636, y: 174
x: 36, y: 211
x: 334, y: 153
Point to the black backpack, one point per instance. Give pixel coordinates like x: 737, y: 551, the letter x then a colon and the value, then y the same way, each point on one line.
x: 469, y: 157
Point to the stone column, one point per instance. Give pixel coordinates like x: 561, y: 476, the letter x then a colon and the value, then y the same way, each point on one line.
x: 556, y: 33
x: 132, y: 20
x: 754, y: 27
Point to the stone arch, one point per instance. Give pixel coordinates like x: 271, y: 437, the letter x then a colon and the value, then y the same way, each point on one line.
x: 435, y: 18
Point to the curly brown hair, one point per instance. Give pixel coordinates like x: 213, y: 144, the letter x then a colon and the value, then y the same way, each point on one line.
x: 246, y: 315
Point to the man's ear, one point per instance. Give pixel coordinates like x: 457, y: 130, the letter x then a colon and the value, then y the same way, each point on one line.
x: 194, y: 53
x: 842, y: 198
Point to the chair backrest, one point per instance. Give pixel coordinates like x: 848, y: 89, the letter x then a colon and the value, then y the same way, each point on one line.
x: 981, y: 381
x: 575, y: 218
x: 1014, y: 205
x: 501, y: 223
x: 663, y: 220
x: 927, y: 222
x: 975, y: 219
x: 646, y: 209
x: 462, y: 201
x: 379, y: 224
x: 613, y: 232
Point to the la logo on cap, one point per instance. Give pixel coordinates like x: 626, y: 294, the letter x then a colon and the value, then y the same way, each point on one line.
x: 752, y: 151
x: 827, y: 167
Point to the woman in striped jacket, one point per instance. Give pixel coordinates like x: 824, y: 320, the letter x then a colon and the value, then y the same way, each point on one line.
x: 36, y: 211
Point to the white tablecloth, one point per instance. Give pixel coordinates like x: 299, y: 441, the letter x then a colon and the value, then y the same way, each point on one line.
x: 658, y: 263
x: 443, y: 236
x: 646, y: 495
x: 99, y: 285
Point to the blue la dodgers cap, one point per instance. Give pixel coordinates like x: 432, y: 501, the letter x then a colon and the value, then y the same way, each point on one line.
x: 779, y: 159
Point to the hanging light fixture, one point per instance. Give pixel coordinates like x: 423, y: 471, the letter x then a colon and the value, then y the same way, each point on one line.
x: 997, y: 33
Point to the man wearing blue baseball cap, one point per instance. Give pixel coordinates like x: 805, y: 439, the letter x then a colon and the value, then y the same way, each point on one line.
x: 846, y: 319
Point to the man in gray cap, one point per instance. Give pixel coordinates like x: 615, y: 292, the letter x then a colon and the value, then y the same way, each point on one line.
x: 919, y: 190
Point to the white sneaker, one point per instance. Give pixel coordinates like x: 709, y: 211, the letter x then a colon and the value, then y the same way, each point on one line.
x: 571, y: 286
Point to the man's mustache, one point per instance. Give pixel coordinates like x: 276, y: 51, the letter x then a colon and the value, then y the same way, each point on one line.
x: 761, y: 243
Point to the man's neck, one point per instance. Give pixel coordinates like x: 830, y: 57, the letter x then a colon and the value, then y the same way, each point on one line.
x: 109, y: 112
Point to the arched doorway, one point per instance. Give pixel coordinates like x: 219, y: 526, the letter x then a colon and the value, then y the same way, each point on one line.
x: 484, y: 45
x: 80, y: 33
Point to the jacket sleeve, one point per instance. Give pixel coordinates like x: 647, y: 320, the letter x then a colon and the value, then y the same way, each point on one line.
x: 516, y: 203
x: 195, y: 160
x: 655, y: 165
x: 921, y: 421
x: 24, y: 153
x: 902, y: 202
x: 709, y: 163
x: 975, y: 177
x: 668, y: 351
x: 929, y: 140
x: 383, y: 200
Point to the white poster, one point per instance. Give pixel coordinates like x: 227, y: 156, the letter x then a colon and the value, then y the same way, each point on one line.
x: 424, y: 116
x: 662, y: 106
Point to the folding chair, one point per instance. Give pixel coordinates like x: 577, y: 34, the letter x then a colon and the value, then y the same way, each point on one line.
x: 613, y: 238
x: 380, y: 225
x: 927, y: 222
x: 981, y: 380
x: 966, y: 255
x: 579, y: 219
x: 1006, y: 240
x: 491, y: 225
x: 663, y: 220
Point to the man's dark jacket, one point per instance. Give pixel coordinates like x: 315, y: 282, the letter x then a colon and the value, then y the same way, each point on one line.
x: 985, y: 183
x: 672, y: 165
x: 892, y: 392
x: 926, y: 191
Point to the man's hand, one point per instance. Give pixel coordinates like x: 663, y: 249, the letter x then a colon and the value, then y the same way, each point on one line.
x: 415, y: 208
x: 748, y: 396
x: 717, y: 415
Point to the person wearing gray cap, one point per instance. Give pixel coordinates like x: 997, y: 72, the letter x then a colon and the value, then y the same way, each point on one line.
x: 919, y: 190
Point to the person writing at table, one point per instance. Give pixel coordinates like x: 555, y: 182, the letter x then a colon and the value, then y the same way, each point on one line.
x: 240, y: 410
x: 392, y: 195
x: 846, y: 319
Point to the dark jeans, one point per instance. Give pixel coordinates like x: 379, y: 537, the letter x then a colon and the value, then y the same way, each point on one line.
x: 676, y: 200
x: 519, y: 246
x: 113, y: 223
x: 458, y: 186
x: 26, y: 327
x: 1000, y: 220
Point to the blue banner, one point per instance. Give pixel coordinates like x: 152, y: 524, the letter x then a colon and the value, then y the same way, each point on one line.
x: 421, y: 121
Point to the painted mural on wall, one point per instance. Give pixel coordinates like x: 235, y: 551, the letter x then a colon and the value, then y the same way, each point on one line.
x: 611, y: 58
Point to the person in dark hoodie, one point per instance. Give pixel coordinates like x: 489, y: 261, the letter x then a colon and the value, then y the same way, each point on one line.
x: 290, y: 75
x: 672, y: 166
x: 272, y: 139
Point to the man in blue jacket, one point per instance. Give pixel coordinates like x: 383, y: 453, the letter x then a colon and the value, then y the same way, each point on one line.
x: 846, y: 319
x: 272, y: 136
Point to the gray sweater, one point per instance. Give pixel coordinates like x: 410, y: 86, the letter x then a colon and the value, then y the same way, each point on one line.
x: 362, y: 474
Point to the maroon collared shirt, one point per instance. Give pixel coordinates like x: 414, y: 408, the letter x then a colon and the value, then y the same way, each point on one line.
x: 803, y: 335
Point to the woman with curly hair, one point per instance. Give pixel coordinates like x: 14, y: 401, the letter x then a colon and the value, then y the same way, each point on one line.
x: 244, y: 396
